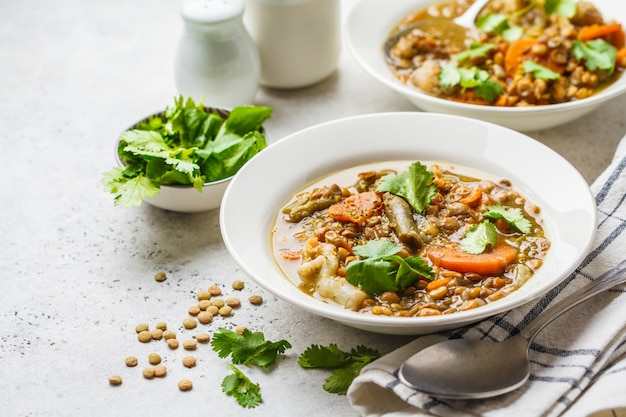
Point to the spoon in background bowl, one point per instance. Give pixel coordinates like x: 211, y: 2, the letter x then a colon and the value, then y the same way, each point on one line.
x: 471, y: 369
x: 452, y: 29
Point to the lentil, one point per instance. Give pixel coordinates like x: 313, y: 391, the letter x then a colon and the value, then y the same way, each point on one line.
x: 255, y: 299
x: 233, y: 302
x: 160, y: 276
x: 131, y: 361
x: 172, y: 344
x: 115, y: 380
x: 142, y: 327
x: 161, y: 326
x: 189, y: 323
x: 203, y: 337
x: 189, y: 361
x: 185, y: 385
x: 148, y: 373
x: 144, y: 336
x: 238, y: 285
x: 156, y: 334
x: 218, y: 302
x: 203, y: 295
x: 215, y: 290
x: 194, y: 310
x: 154, y: 358
x: 160, y: 371
x: 190, y: 344
x: 168, y: 334
x: 226, y: 311
x: 204, y: 304
x: 205, y: 317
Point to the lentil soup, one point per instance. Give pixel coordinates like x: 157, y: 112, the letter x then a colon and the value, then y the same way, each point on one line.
x: 523, y: 53
x: 458, y: 239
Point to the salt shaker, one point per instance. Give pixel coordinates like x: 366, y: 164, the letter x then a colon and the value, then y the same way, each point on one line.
x: 299, y: 41
x: 216, y: 59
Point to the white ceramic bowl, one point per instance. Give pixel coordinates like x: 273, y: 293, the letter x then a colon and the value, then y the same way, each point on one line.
x: 185, y: 198
x: 370, y: 23
x: 265, y: 184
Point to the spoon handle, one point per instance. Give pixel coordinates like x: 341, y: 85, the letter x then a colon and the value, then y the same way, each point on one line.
x: 604, y: 282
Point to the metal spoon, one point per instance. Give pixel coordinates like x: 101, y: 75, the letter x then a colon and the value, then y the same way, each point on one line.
x: 468, y: 369
x: 453, y: 30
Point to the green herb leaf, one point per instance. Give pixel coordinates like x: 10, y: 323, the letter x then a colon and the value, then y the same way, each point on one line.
x: 345, y: 365
x: 476, y: 50
x: 472, y: 77
x: 414, y: 184
x: 512, y: 215
x: 479, y: 237
x: 247, y: 348
x: 382, y: 270
x: 492, y: 23
x: 565, y: 8
x: 238, y: 385
x: 539, y: 71
x: 449, y: 76
x: 128, y: 192
x: 597, y: 54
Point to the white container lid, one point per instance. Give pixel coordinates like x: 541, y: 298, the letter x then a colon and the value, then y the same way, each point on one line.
x: 211, y: 11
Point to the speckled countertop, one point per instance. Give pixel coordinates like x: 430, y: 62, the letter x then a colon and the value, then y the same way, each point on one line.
x: 77, y: 274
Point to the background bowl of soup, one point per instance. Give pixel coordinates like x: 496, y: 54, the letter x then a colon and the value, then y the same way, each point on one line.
x: 266, y: 183
x: 371, y: 22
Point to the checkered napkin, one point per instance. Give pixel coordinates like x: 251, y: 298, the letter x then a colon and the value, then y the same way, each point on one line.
x: 578, y: 363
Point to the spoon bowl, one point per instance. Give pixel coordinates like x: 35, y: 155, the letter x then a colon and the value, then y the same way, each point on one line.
x: 481, y: 368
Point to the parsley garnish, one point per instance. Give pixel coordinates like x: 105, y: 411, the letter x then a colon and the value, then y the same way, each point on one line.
x: 247, y: 348
x: 239, y: 386
x: 597, y: 54
x: 499, y: 24
x: 414, y: 184
x: 512, y: 215
x: 345, y: 365
x: 476, y: 50
x: 381, y: 269
x: 539, y: 71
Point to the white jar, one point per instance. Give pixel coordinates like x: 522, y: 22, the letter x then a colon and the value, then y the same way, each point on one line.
x: 298, y: 41
x: 216, y: 59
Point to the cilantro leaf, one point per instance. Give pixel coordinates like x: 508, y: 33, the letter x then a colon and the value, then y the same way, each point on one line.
x: 247, y: 348
x: 382, y: 270
x: 476, y: 50
x: 597, y: 54
x: 512, y: 215
x: 414, y: 184
x: 128, y: 192
x: 345, y: 365
x: 566, y: 8
x: 449, y: 76
x: 239, y: 386
x: 539, y: 71
x: 492, y: 22
x: 479, y: 237
x: 472, y: 77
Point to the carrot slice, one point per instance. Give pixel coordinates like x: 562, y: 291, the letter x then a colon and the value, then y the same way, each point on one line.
x: 437, y: 283
x: 473, y: 197
x: 357, y: 208
x: 516, y: 52
x: 489, y: 262
x: 621, y: 57
x: 612, y: 32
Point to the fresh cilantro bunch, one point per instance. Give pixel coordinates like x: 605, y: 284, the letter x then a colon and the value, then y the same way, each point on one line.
x: 345, y: 365
x: 415, y: 184
x: 484, y: 234
x: 247, y: 348
x: 381, y: 269
x: 186, y: 145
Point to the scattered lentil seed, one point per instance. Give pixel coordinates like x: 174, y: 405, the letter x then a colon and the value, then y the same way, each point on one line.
x: 154, y: 358
x: 190, y: 323
x: 115, y: 380
x: 213, y: 310
x: 168, y: 334
x: 156, y: 334
x: 238, y: 285
x: 161, y: 326
x: 185, y: 385
x: 204, y: 304
x: 141, y: 327
x: 160, y: 276
x: 160, y: 371
x: 205, y: 317
x: 215, y: 290
x: 203, y: 295
x: 233, y: 302
x: 189, y: 361
x: 194, y: 310
x: 203, y: 337
x: 218, y: 302
x: 144, y: 336
x: 226, y: 311
x: 255, y: 299
x: 172, y: 343
x: 190, y: 344
x: 131, y: 361
x: 148, y: 373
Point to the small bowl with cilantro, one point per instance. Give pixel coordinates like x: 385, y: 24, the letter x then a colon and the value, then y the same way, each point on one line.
x: 183, y: 158
x: 408, y: 223
x: 528, y: 65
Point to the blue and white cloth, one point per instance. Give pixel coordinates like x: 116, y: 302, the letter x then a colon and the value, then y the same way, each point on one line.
x: 578, y: 364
